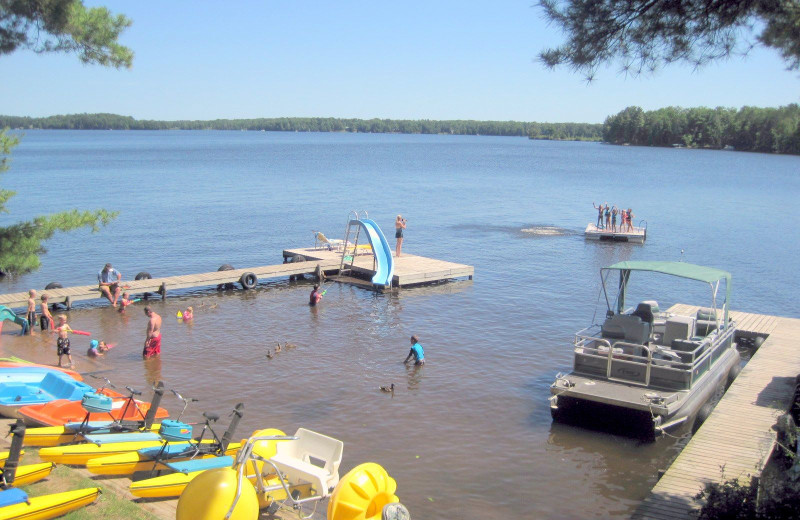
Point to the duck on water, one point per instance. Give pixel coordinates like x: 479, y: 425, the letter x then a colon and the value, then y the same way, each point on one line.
x: 657, y: 370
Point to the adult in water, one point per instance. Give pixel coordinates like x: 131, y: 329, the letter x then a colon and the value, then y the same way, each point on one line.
x: 152, y: 342
x: 315, y: 296
x: 108, y: 279
x: 416, y: 352
x: 399, y: 226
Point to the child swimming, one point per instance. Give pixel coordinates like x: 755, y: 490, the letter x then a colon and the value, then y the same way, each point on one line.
x: 97, y: 349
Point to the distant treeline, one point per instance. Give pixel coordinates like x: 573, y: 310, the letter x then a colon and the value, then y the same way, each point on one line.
x: 568, y: 131
x: 752, y: 129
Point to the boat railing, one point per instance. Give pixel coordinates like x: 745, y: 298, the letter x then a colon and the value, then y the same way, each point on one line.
x: 618, y: 360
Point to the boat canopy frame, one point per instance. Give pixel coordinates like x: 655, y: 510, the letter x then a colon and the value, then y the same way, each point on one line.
x: 712, y: 276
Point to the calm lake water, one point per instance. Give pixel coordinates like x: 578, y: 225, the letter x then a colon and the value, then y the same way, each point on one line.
x: 469, y: 435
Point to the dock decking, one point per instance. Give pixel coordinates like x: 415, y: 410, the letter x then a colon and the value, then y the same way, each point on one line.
x: 738, y: 435
x: 637, y: 236
x: 409, y: 270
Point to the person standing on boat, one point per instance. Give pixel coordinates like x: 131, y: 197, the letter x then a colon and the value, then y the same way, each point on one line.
x: 416, y: 352
x: 599, y: 209
x: 399, y: 226
x: 152, y: 342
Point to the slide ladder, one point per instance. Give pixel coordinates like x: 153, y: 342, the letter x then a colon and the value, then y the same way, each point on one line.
x: 383, y: 261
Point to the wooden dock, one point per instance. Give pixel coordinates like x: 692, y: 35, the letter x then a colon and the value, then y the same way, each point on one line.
x: 409, y: 270
x: 738, y: 436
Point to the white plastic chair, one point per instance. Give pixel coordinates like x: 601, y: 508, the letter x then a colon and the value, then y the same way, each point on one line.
x: 312, y: 458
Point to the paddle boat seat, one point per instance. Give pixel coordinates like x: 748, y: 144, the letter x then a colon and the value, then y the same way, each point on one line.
x: 106, y: 438
x: 12, y: 496
x: 311, y: 458
x: 189, y: 466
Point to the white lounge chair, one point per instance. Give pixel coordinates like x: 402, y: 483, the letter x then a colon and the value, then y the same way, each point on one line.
x: 321, y: 240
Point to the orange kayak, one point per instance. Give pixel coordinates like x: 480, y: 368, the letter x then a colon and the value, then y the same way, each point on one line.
x: 61, y: 411
x: 11, y: 364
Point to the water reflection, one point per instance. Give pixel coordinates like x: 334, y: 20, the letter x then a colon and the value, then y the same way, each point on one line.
x: 414, y: 375
x: 152, y: 370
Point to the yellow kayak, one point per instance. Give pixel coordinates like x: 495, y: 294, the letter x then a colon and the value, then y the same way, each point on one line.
x: 4, y: 457
x: 131, y: 462
x: 30, y: 473
x: 48, y: 506
x: 58, y: 435
x: 80, y: 454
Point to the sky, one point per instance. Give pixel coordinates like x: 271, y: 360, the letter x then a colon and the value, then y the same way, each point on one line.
x: 432, y: 59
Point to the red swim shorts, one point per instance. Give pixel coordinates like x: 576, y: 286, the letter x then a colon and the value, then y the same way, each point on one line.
x: 152, y: 347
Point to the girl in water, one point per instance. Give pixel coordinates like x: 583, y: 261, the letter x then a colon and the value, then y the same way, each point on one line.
x: 399, y: 226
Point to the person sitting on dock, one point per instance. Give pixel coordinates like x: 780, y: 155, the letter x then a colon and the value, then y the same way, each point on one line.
x: 599, y: 209
x: 108, y: 283
x: 416, y: 352
x: 315, y: 296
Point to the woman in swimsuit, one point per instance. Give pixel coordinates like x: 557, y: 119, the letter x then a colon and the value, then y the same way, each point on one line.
x: 629, y: 218
x: 608, y: 216
x: 399, y: 226
x: 614, y: 220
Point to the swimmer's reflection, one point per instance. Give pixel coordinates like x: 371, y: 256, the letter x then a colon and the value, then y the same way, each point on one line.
x: 152, y: 369
x: 414, y: 375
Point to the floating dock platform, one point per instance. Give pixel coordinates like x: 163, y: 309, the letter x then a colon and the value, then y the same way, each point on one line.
x: 738, y: 435
x: 638, y: 235
x: 409, y: 270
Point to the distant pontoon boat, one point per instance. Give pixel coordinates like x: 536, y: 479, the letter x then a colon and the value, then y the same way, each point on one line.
x: 656, y: 370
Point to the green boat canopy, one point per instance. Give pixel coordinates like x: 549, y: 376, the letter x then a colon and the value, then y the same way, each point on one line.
x: 709, y: 275
x: 682, y: 269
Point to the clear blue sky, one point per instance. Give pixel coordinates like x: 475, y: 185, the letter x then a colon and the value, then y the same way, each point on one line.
x: 433, y: 59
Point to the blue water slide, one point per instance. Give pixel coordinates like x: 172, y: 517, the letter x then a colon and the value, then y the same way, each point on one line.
x: 384, y: 261
x: 8, y: 314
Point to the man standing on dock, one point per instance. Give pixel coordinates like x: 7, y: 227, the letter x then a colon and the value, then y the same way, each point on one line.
x: 109, y: 279
x: 152, y: 342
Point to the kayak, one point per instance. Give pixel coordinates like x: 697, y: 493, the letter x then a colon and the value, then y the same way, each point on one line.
x: 22, y: 363
x: 16, y: 505
x: 30, y: 473
x: 80, y: 454
x: 4, y: 457
x: 144, y: 459
x: 62, y: 411
x: 66, y: 434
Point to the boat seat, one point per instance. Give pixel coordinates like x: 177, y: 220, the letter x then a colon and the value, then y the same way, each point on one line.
x: 645, y: 312
x: 706, y: 322
x: 12, y: 496
x: 188, y: 466
x: 678, y: 327
x: 311, y: 458
x: 626, y: 327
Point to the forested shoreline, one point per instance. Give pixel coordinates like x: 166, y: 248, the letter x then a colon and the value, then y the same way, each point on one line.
x: 768, y: 130
x: 751, y: 129
x: 577, y: 131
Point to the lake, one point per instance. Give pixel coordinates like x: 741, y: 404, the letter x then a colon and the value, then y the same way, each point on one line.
x: 468, y: 435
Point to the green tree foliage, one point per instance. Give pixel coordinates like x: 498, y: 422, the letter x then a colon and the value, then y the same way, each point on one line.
x: 64, y: 26
x: 642, y: 35
x: 562, y: 131
x: 53, y: 26
x: 22, y: 243
x: 769, y: 130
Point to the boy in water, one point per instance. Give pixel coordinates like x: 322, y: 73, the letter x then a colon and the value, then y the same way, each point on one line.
x: 46, y: 319
x: 62, y: 343
x: 416, y: 352
x: 31, y: 316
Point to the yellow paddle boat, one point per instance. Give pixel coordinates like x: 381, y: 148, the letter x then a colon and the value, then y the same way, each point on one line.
x: 17, y: 505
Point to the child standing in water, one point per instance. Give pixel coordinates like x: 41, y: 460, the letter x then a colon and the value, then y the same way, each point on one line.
x: 188, y: 314
x: 31, y: 316
x: 46, y: 319
x: 62, y: 343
